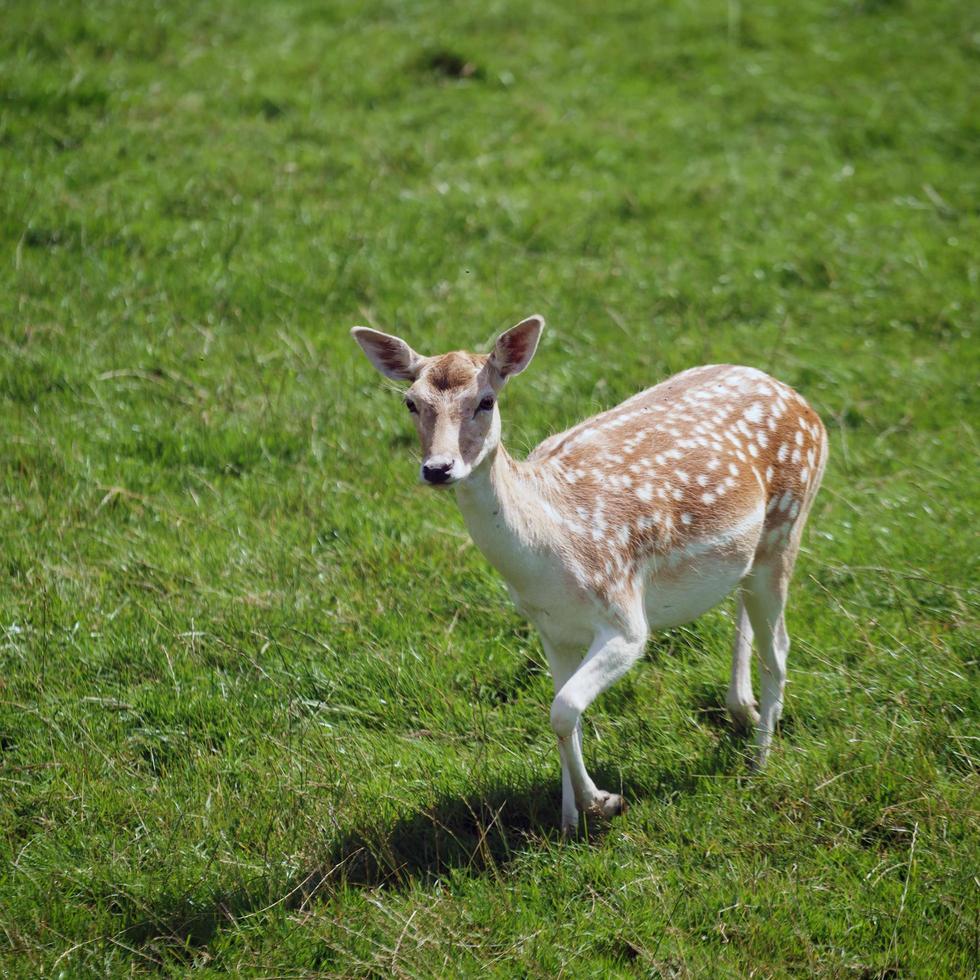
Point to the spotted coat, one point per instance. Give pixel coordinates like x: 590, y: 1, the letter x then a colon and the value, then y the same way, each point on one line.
x: 679, y: 462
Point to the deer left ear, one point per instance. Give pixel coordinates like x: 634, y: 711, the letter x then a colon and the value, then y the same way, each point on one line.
x: 515, y: 347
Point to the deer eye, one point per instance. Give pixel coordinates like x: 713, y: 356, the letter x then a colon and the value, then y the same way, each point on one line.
x: 486, y: 404
x: 411, y: 406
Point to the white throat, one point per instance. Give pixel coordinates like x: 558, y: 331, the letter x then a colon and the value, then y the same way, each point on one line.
x: 498, y: 506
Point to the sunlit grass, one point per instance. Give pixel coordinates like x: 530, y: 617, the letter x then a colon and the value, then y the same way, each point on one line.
x: 263, y: 707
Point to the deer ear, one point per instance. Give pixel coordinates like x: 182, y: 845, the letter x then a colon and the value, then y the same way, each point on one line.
x: 515, y: 347
x: 390, y: 355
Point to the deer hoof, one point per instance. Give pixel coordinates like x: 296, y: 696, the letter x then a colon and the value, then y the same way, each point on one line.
x: 745, y: 716
x: 607, y: 805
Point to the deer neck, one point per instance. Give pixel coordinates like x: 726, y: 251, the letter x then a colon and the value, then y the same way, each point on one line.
x: 499, y: 501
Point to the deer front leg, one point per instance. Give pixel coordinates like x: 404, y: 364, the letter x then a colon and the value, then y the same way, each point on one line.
x: 563, y: 661
x: 612, y: 653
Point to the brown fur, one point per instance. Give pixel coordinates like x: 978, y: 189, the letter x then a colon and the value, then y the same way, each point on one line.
x: 681, y: 461
x: 451, y: 371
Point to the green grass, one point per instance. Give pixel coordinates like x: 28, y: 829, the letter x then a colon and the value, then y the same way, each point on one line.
x: 263, y: 707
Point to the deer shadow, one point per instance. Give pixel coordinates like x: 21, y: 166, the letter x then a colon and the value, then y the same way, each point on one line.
x: 477, y: 834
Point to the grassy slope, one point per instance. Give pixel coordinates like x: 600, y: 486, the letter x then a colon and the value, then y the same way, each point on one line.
x: 242, y: 657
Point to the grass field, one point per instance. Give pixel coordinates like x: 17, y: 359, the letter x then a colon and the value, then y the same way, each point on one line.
x: 263, y: 707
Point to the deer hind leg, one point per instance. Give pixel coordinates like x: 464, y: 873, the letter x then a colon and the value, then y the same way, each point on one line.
x: 765, y: 590
x: 612, y: 653
x: 740, y: 700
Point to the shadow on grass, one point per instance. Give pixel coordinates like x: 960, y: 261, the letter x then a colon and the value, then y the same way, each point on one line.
x: 477, y: 834
x: 480, y: 834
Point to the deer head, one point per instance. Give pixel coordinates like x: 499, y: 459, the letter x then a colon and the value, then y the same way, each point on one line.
x: 453, y: 397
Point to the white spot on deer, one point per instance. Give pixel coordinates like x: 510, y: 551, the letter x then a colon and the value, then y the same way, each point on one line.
x: 733, y: 469
x: 794, y: 510
x: 686, y: 518
x: 805, y: 474
x: 551, y: 512
x: 754, y: 412
x: 708, y: 498
x: 795, y: 458
x: 645, y: 492
x: 702, y: 479
x: 713, y: 464
x: 785, y: 500
x: 682, y: 476
x: 799, y: 438
x: 783, y: 453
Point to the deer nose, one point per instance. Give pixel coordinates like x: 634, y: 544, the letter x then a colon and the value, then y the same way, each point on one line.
x: 436, y: 471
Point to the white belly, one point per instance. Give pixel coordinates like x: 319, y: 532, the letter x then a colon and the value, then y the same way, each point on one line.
x: 675, y: 599
x: 696, y: 578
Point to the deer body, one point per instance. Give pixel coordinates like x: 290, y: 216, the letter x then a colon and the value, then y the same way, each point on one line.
x: 640, y: 518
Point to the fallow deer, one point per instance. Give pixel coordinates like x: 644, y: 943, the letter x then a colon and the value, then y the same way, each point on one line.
x: 642, y: 517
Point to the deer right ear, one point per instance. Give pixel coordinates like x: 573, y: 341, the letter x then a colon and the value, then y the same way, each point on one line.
x: 390, y: 355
